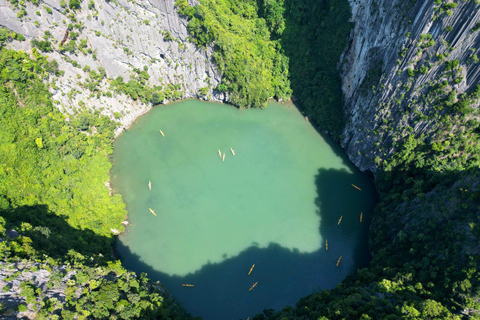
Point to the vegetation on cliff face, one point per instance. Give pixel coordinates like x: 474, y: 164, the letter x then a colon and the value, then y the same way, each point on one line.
x: 314, y: 38
x: 47, y: 160
x: 425, y: 233
x: 425, y: 260
x: 253, y: 65
x: 263, y: 46
x: 424, y: 237
x: 52, y: 192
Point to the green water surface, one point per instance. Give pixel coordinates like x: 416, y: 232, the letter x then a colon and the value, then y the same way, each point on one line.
x: 274, y: 204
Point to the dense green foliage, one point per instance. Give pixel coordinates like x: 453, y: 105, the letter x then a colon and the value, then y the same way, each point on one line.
x: 425, y: 234
x: 94, y: 287
x: 260, y: 47
x: 314, y: 38
x: 425, y: 260
x: 424, y: 237
x: 137, y: 88
x: 47, y: 160
x: 253, y: 65
x: 52, y: 191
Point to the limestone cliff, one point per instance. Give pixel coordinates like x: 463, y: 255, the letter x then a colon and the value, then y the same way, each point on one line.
x: 121, y: 36
x: 396, y: 54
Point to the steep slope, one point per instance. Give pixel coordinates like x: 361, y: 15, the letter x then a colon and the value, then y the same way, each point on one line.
x: 143, y: 41
x: 57, y: 218
x: 411, y: 108
x: 397, y: 56
x: 411, y: 102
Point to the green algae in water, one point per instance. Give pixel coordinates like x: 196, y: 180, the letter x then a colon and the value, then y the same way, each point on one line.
x: 273, y: 204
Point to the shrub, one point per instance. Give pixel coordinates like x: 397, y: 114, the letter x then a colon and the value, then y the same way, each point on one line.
x: 74, y: 4
x: 22, y: 307
x: 451, y: 65
x: 19, y: 37
x: 44, y: 46
x: 204, y: 91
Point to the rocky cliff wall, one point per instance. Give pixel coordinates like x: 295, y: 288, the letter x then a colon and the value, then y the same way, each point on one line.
x: 384, y: 101
x: 120, y: 36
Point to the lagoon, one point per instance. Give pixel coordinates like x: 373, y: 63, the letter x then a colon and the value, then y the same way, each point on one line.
x: 275, y: 203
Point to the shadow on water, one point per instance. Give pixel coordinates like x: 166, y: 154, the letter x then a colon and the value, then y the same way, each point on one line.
x: 222, y: 290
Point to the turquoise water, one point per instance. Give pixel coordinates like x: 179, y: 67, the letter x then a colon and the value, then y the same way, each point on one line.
x: 273, y: 204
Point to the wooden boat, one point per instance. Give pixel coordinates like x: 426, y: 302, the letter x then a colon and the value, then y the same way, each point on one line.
x: 339, y: 220
x: 153, y: 212
x: 253, y: 286
x: 361, y: 216
x: 162, y: 133
x: 251, y: 269
x: 326, y: 244
x: 223, y: 157
x: 233, y: 151
x: 356, y: 187
x: 219, y: 153
x: 149, y: 185
x: 338, y: 262
x: 188, y: 285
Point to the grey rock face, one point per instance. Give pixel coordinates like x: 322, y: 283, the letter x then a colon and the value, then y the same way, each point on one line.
x: 12, y: 275
x: 384, y: 44
x: 123, y: 35
x: 12, y: 233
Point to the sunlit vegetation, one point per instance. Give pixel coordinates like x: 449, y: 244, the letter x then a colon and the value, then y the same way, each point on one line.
x: 254, y: 67
x: 47, y: 160
x: 424, y: 238
x: 138, y: 88
x: 53, y: 193
x: 102, y: 292
x: 266, y: 48
x: 425, y: 230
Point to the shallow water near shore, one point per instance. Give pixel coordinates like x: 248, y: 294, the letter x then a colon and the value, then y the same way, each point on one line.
x: 275, y: 204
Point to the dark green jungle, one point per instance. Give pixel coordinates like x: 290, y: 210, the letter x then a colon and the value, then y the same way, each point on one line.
x: 424, y: 238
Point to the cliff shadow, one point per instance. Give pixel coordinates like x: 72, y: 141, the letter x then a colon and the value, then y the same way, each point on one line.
x: 221, y: 290
x: 52, y: 234
x: 314, y: 38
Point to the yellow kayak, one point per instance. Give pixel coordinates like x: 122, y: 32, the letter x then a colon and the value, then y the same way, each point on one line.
x: 153, y: 212
x: 253, y: 286
x: 251, y: 269
x: 338, y: 262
